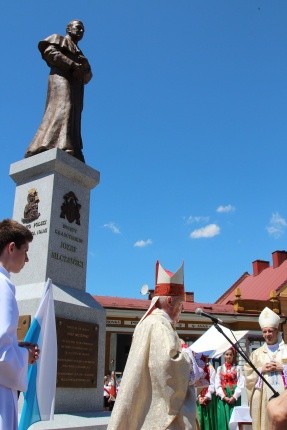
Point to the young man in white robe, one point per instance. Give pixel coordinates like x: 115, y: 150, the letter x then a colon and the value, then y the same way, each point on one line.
x: 270, y: 360
x: 14, y: 359
x: 156, y: 393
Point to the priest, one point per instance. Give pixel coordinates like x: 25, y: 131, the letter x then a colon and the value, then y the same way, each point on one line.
x: 156, y: 391
x: 271, y: 361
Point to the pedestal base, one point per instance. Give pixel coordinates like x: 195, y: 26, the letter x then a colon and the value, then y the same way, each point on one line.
x: 98, y: 421
x: 79, y: 307
x: 53, y: 200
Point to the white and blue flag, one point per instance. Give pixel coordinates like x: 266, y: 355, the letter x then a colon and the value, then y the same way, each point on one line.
x: 39, y: 399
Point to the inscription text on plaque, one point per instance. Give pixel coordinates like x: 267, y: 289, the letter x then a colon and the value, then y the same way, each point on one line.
x: 77, y: 353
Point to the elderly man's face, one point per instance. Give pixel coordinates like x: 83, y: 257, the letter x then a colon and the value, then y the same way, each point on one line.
x: 270, y: 335
x: 175, y: 305
x: 76, y: 30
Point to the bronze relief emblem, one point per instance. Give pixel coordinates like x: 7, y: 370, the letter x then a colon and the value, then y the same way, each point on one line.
x: 70, y: 208
x: 31, y: 209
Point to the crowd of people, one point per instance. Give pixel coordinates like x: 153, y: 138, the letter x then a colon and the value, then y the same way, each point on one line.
x: 167, y: 386
x: 218, y: 391
x: 164, y: 385
x: 111, y: 387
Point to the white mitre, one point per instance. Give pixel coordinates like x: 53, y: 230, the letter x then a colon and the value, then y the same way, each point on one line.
x: 268, y: 318
x: 166, y: 284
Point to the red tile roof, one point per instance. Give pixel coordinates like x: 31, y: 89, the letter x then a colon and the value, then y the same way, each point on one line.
x: 257, y: 287
x: 122, y: 303
x: 143, y: 304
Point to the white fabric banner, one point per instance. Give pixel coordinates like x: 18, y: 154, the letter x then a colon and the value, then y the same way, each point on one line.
x: 213, y: 344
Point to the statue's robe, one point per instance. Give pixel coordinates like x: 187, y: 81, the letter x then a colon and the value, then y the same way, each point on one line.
x: 61, y: 123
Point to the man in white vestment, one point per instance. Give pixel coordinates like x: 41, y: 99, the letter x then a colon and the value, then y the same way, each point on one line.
x: 271, y: 361
x: 155, y: 391
x: 14, y: 359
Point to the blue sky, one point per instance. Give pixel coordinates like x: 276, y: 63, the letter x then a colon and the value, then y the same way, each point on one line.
x: 185, y: 118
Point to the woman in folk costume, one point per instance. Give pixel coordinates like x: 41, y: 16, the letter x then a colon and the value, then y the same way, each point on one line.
x: 106, y: 392
x: 270, y: 360
x: 200, y: 377
x: 155, y: 393
x: 113, y: 388
x: 229, y: 382
x: 206, y: 399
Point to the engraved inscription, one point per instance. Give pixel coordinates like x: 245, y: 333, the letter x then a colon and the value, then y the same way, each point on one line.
x: 38, y: 227
x: 77, y: 353
x: 199, y: 325
x: 113, y: 322
x: 68, y: 260
x: 68, y: 236
x: 68, y: 247
x: 130, y: 322
x: 180, y: 325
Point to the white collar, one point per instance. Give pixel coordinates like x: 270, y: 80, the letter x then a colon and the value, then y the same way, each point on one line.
x: 273, y: 347
x: 167, y: 316
x: 4, y: 272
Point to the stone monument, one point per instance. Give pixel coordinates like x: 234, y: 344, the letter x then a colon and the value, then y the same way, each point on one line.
x: 52, y: 199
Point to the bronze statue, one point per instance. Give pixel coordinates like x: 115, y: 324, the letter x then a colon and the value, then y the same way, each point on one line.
x: 70, y: 71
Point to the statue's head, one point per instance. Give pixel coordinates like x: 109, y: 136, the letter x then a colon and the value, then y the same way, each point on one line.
x: 75, y: 29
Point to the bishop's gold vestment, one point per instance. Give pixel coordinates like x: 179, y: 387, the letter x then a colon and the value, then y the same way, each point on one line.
x: 259, y: 393
x: 154, y: 393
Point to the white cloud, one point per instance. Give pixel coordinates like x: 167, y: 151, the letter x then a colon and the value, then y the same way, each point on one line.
x: 195, y: 219
x: 209, y: 230
x: 225, y: 209
x: 277, y: 225
x: 142, y: 243
x: 113, y: 227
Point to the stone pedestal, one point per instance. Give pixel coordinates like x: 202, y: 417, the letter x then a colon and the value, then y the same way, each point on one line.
x: 52, y: 199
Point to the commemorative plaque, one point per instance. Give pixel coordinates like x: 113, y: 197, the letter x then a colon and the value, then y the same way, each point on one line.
x: 77, y: 353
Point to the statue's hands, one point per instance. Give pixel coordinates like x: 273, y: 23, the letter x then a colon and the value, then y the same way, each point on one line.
x: 78, y: 71
x: 84, y: 62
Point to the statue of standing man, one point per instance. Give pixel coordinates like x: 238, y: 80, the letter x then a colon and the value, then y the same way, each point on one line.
x: 70, y: 71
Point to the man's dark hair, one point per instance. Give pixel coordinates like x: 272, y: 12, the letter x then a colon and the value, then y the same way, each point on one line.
x: 13, y: 231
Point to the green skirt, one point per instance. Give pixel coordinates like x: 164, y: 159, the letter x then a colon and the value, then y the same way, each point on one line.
x: 224, y: 410
x: 207, y: 415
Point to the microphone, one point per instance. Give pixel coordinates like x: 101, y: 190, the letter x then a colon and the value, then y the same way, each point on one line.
x: 199, y: 311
